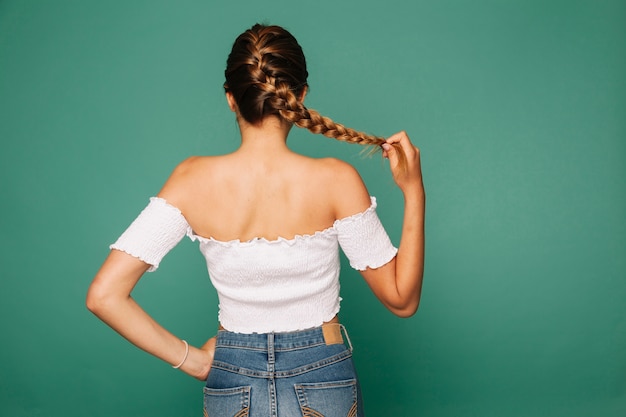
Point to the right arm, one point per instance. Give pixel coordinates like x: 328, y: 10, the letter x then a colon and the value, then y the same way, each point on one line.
x: 398, y: 284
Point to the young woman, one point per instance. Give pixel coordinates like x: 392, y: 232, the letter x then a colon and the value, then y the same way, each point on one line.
x: 269, y: 222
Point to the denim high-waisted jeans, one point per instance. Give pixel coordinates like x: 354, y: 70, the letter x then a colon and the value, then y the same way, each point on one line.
x: 305, y: 373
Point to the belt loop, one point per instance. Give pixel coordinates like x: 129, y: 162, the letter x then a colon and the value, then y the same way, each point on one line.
x: 342, y: 327
x: 270, y: 349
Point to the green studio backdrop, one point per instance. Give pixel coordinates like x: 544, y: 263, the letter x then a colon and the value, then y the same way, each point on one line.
x: 518, y: 108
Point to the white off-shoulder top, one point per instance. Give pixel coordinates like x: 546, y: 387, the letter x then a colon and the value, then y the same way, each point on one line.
x: 267, y: 285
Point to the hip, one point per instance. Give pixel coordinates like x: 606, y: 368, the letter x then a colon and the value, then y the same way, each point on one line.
x: 284, y: 374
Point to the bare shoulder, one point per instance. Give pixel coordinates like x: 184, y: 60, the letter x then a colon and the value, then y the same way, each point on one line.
x: 339, y: 173
x: 185, y: 177
x: 345, y: 186
x: 193, y: 164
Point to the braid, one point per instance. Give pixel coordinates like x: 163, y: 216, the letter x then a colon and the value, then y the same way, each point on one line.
x: 294, y: 111
x: 266, y: 74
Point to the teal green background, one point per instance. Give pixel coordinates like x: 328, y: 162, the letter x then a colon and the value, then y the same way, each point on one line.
x: 519, y: 108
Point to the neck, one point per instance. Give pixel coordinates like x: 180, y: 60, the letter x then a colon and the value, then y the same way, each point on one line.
x: 268, y: 137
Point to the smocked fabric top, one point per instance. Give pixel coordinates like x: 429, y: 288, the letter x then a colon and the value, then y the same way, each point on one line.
x: 267, y: 285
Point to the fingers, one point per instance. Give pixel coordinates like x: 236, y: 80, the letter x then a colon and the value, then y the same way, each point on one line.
x: 201, y: 360
x: 386, y: 147
x: 398, y: 148
x: 408, y: 154
x: 404, y: 160
x: 397, y: 137
x: 209, y: 345
x: 393, y: 152
x: 403, y: 140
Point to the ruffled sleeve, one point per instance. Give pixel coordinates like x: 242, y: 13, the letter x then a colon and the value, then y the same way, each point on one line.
x: 157, y: 229
x: 364, y: 240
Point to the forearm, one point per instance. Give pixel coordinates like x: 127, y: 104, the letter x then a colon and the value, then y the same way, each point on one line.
x: 127, y: 318
x: 109, y: 298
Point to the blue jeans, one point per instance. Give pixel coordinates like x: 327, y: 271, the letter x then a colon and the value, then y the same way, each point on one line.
x: 295, y: 374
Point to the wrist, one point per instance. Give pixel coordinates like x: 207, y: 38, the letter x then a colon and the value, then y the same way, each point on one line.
x: 413, y: 191
x: 184, y: 359
x: 197, y: 364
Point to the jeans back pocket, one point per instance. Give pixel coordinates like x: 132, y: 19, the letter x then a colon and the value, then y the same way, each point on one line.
x: 227, y: 402
x: 328, y: 399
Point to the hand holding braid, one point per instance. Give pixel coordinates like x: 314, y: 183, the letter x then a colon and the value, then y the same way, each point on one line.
x: 294, y: 111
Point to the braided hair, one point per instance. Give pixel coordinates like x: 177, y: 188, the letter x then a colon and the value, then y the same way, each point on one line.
x: 266, y: 74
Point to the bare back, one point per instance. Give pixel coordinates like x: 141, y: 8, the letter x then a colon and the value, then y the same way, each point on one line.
x: 232, y: 197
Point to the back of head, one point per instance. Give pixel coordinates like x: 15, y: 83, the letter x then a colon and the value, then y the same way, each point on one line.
x: 266, y: 74
x: 265, y: 67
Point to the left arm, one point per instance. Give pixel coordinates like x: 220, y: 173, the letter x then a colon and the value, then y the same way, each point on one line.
x: 158, y: 228
x: 109, y: 298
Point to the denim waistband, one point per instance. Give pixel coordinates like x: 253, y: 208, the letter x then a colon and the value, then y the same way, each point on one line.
x: 330, y: 333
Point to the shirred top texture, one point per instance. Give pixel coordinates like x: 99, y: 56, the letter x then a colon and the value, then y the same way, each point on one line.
x: 267, y: 285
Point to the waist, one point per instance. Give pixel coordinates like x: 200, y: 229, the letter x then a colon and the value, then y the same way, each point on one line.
x: 328, y: 333
x: 265, y: 311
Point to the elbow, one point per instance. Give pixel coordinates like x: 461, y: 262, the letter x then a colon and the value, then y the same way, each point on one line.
x: 93, y: 301
x: 98, y: 300
x: 405, y: 310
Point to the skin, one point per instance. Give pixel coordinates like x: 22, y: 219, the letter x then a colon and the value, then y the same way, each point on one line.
x: 265, y: 190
